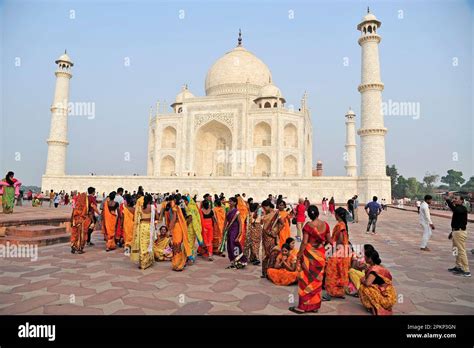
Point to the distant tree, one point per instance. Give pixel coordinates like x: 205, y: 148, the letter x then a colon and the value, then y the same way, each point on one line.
x: 392, y: 172
x: 429, y: 180
x: 414, y: 188
x: 469, y: 185
x: 400, y: 188
x: 454, y: 179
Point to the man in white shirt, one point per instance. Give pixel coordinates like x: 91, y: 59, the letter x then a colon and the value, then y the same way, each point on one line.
x: 425, y: 222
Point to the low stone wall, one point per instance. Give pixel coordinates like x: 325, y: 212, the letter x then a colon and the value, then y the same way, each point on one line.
x: 315, y: 188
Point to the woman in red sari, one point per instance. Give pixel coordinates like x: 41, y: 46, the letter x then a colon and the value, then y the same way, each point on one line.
x: 337, y: 272
x: 311, y: 263
x: 332, y: 206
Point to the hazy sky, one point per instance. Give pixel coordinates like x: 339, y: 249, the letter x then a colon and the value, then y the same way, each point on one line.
x: 426, y: 58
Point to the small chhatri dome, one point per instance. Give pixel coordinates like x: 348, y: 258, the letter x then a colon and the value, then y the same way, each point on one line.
x: 369, y: 17
x: 350, y: 112
x: 64, y: 58
x: 184, y: 94
x: 270, y: 91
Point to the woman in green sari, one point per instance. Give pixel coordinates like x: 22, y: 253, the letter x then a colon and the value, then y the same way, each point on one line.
x: 9, y: 189
x: 194, y: 227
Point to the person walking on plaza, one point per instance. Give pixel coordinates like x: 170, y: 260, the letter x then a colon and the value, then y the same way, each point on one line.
x: 332, y: 206
x: 356, y: 206
x: 425, y: 222
x: 324, y: 205
x: 373, y: 210
x: 51, y: 198
x: 418, y: 205
x: 300, y: 211
x: 56, y: 199
x: 459, y: 235
x: 350, y: 208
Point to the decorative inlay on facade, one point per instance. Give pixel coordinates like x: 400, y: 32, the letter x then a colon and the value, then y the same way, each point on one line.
x: 367, y: 38
x: 369, y: 86
x: 224, y: 117
x: 372, y: 131
x: 57, y: 142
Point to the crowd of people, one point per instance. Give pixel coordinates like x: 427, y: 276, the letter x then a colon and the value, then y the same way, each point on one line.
x: 183, y: 230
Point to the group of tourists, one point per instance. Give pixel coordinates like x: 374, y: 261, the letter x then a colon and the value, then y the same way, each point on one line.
x: 180, y: 229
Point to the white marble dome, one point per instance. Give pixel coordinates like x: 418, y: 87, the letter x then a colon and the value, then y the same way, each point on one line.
x: 230, y: 74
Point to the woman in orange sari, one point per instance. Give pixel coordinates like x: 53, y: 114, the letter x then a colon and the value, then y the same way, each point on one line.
x: 219, y: 213
x: 80, y: 224
x: 376, y: 291
x: 285, y: 223
x: 311, y: 263
x: 180, y: 244
x: 284, y: 271
x: 110, y: 221
x: 244, y: 213
x: 337, y: 271
x: 128, y: 218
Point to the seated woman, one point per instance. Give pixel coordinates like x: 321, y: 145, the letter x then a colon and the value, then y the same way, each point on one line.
x: 292, y: 243
x: 376, y: 291
x: 357, y: 271
x: 162, y: 246
x: 284, y: 270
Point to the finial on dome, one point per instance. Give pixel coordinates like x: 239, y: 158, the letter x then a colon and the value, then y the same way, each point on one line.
x: 368, y: 9
x: 239, y: 40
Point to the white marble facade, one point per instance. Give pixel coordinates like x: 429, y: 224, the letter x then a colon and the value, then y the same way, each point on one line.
x: 240, y: 128
x: 241, y: 137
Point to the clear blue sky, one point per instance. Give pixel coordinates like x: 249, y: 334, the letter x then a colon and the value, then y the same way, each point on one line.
x: 304, y: 53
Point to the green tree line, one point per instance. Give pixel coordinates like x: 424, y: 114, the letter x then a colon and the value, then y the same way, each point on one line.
x: 412, y: 188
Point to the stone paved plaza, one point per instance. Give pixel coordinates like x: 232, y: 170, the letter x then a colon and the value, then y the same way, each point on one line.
x: 100, y: 282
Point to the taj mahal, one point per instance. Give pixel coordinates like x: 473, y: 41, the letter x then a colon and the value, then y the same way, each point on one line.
x: 241, y: 136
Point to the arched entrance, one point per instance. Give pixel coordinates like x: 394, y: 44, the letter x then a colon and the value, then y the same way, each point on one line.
x: 213, y: 141
x: 263, y: 165
x: 168, y: 165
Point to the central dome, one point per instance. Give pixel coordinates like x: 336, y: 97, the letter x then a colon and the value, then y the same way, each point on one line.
x: 231, y: 73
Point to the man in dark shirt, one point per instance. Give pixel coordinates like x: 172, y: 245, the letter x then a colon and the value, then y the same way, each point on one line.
x: 350, y: 207
x: 459, y: 235
x: 373, y: 209
x: 92, y: 211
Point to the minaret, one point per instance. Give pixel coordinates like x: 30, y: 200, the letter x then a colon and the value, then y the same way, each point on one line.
x: 57, y: 141
x: 372, y: 131
x: 351, y: 146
